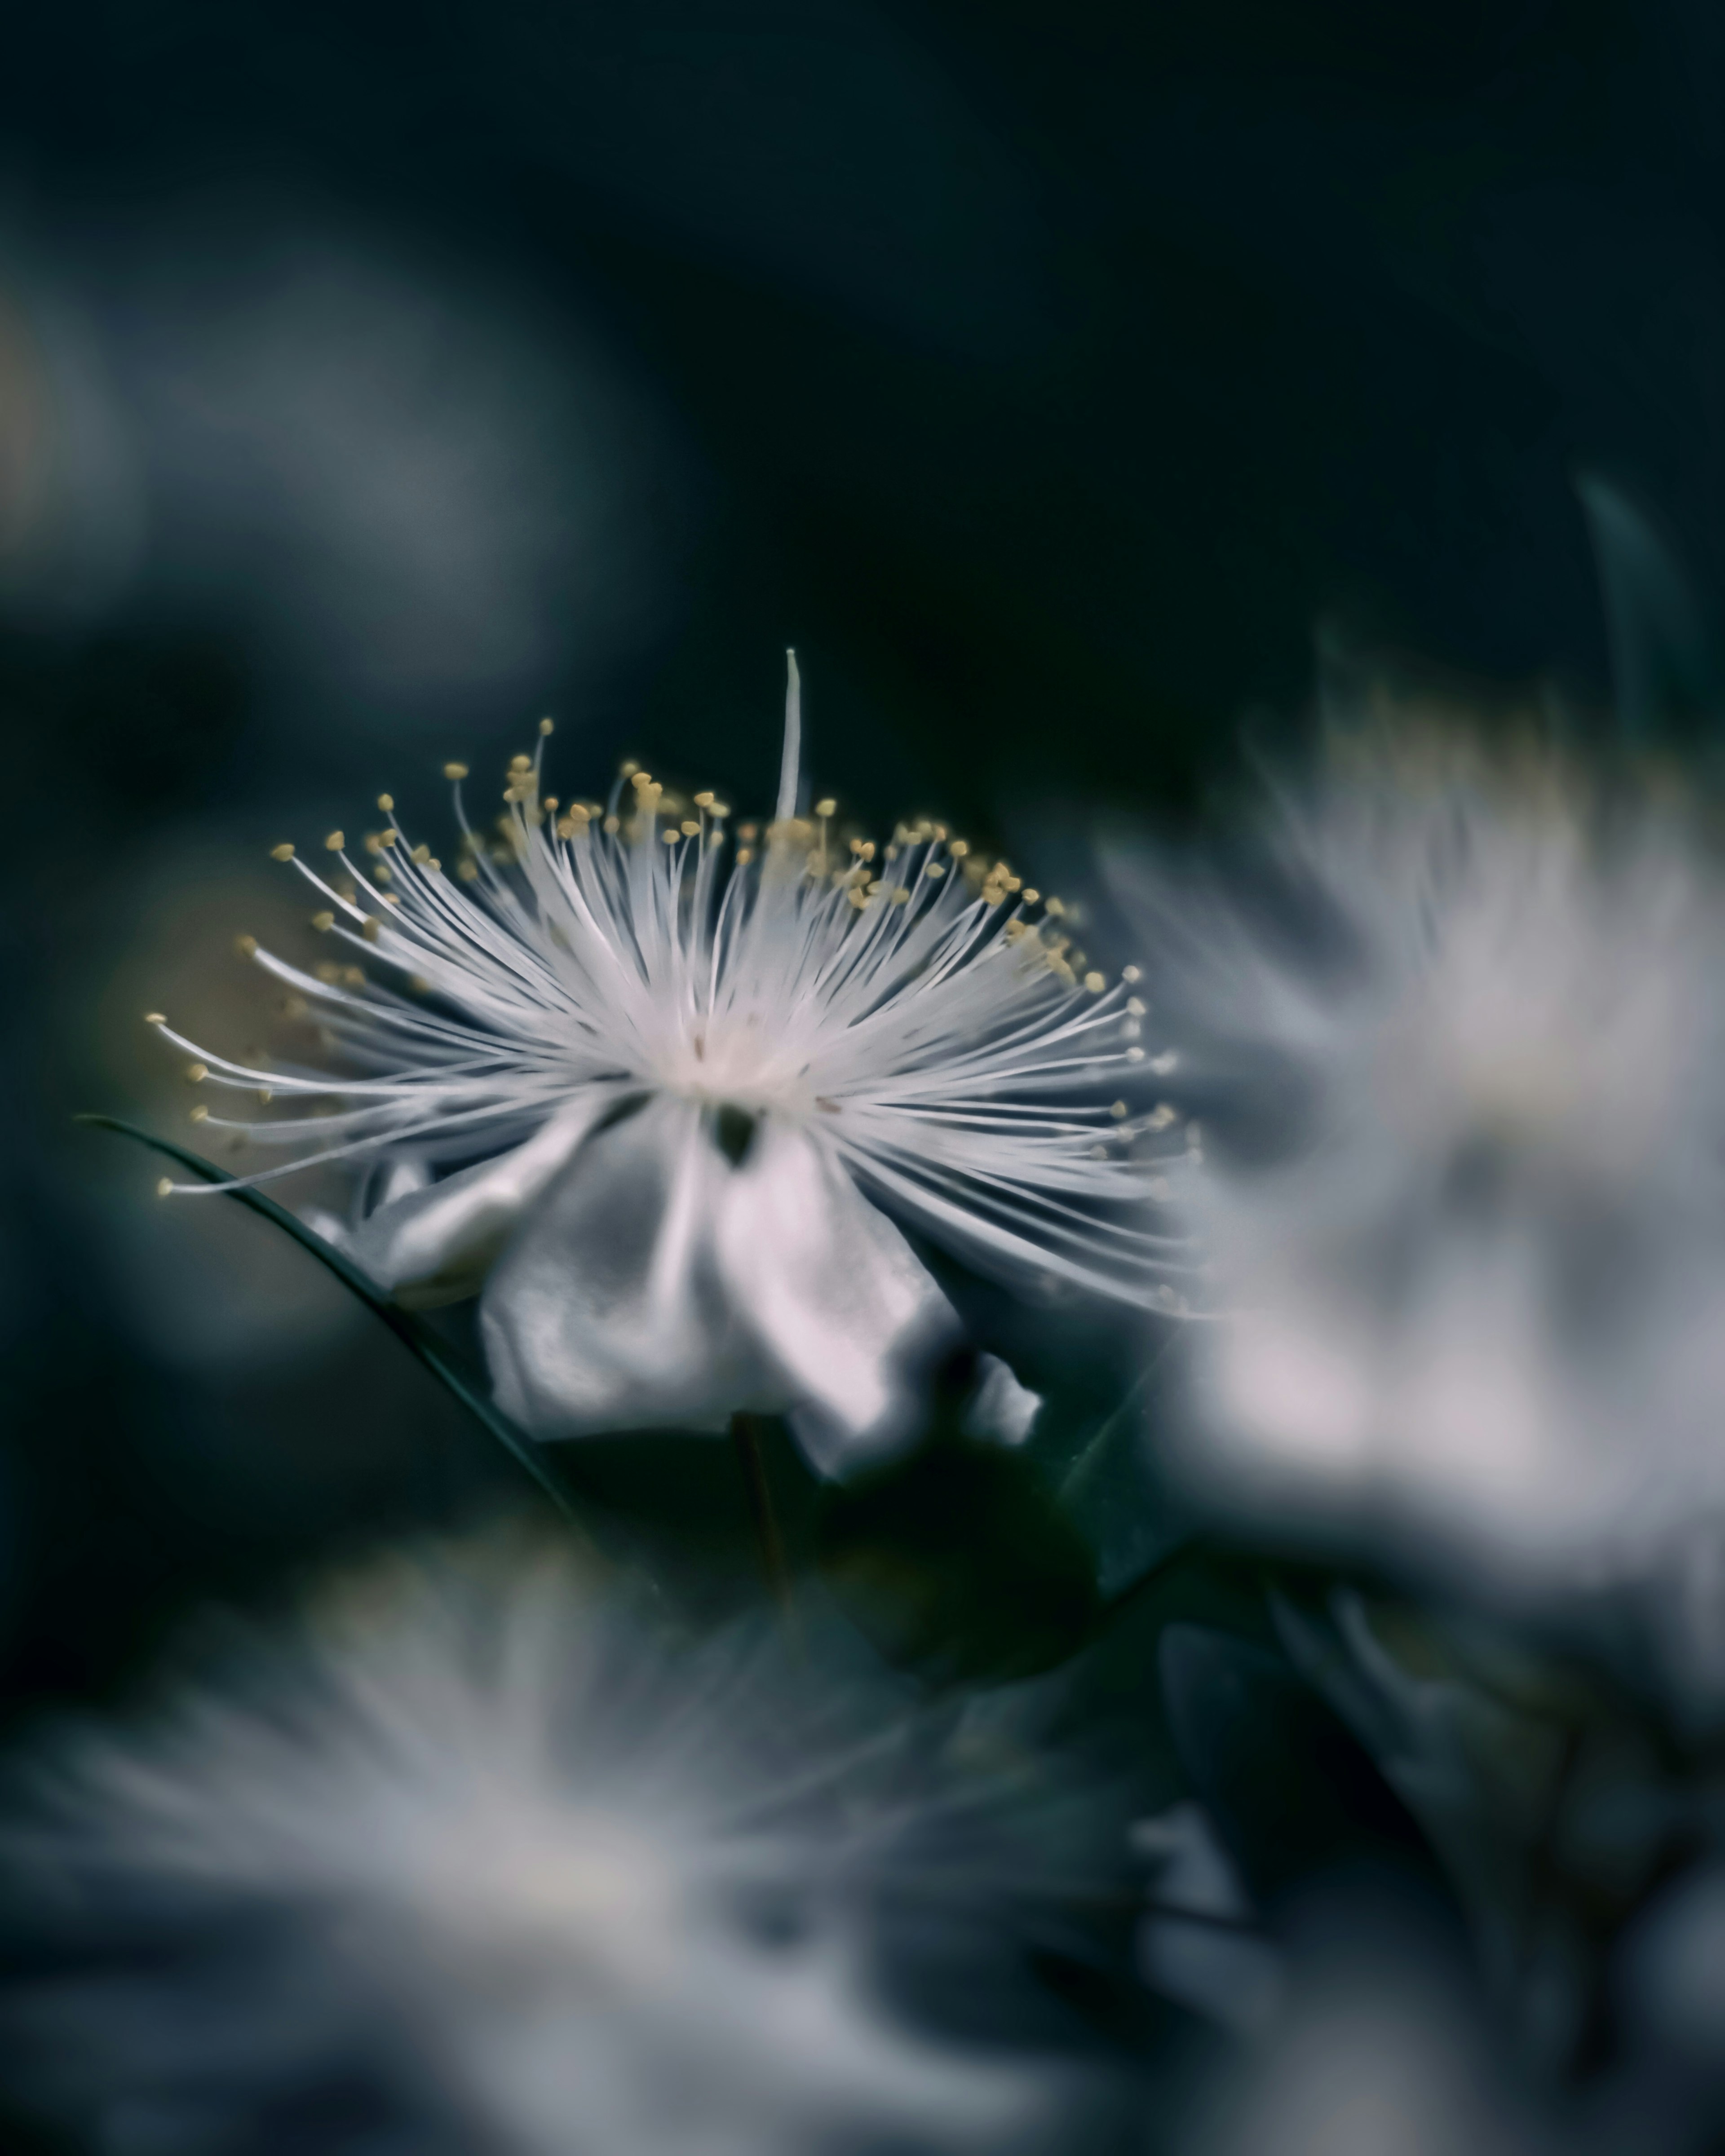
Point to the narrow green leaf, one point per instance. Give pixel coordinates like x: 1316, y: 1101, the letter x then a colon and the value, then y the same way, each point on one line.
x: 418, y: 1338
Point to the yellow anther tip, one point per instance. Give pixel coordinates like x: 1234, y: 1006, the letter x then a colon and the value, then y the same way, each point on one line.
x: 282, y: 853
x: 155, y: 1018
x: 335, y: 841
x: 247, y: 946
x: 198, y: 1072
x: 323, y: 923
x: 827, y: 808
x: 1096, y: 983
x: 200, y: 1114
x: 1132, y: 973
x: 546, y: 725
x: 455, y: 771
x: 164, y: 1186
x: 386, y: 801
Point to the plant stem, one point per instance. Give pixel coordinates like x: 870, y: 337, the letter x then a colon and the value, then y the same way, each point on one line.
x: 775, y: 1565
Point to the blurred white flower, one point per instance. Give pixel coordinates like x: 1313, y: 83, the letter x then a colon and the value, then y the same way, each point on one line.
x: 1378, y: 2056
x: 1456, y: 1033
x: 670, y: 1066
x: 521, y: 1875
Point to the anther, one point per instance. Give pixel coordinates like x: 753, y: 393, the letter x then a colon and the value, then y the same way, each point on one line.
x: 748, y: 833
x: 827, y: 808
x: 520, y: 762
x: 164, y: 1186
x: 613, y: 824
x: 1033, y: 897
x: 385, y: 837
x: 200, y: 1114
x: 1119, y: 1110
x: 247, y: 946
x: 1136, y: 1055
x: 935, y: 870
x: 335, y: 842
x: 1136, y: 1006
x: 323, y: 923
x: 1057, y: 907
x: 457, y: 772
x: 155, y: 1018
x: 745, y: 854
x: 720, y: 810
x: 546, y: 726
x: 640, y: 780
x: 1163, y: 1063
x: 629, y: 766
x: 282, y: 853
x: 1096, y: 983
x: 370, y: 930
x: 958, y: 849
x: 1131, y: 973
x: 198, y: 1072
x: 689, y: 827
x: 386, y: 801
x: 467, y: 869
x: 422, y: 855
x: 670, y: 837
x: 265, y: 1096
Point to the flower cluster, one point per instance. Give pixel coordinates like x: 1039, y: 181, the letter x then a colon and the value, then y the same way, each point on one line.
x: 1210, y: 1636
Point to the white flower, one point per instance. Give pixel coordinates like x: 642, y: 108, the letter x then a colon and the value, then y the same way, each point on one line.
x: 1456, y: 1035
x: 672, y: 1069
x: 508, y: 1871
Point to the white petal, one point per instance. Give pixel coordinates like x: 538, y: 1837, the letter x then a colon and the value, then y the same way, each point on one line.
x: 846, y: 1314
x: 1000, y: 1410
x: 608, y: 1312
x: 436, y: 1245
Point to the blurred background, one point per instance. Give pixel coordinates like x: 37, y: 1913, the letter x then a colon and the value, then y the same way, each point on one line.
x: 1058, y: 378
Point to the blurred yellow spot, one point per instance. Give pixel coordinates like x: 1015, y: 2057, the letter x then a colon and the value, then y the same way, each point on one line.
x: 282, y: 853
x: 455, y: 771
x: 335, y: 842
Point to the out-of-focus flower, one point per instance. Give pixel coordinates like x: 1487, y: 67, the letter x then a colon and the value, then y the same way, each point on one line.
x: 673, y: 1069
x: 477, y: 1860
x: 1377, y: 2056
x: 1455, y: 1034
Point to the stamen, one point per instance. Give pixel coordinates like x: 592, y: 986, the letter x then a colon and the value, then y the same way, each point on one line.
x: 789, y: 761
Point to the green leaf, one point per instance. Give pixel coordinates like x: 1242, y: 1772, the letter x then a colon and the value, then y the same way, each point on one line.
x: 418, y: 1338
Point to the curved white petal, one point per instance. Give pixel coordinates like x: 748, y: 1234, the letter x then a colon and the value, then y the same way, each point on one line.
x: 608, y: 1312
x: 847, y: 1316
x: 436, y: 1243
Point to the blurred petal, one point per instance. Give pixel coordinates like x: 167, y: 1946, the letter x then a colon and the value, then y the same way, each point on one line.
x: 846, y: 1314
x: 607, y: 1313
x: 1000, y: 1410
x: 436, y: 1243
